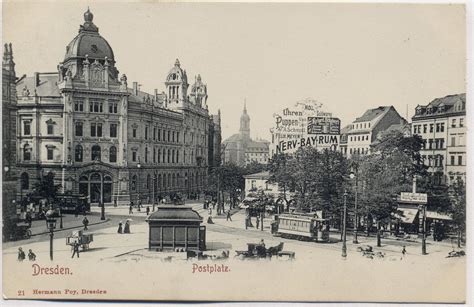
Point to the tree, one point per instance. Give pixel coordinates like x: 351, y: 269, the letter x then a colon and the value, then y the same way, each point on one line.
x: 388, y: 172
x: 458, y: 207
x: 46, y: 188
x: 280, y: 173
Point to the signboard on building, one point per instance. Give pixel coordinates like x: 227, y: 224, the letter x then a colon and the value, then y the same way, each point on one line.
x: 303, y: 125
x: 417, y: 198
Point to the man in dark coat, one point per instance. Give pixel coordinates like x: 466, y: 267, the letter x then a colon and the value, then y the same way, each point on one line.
x: 21, y: 254
x: 75, y: 249
x: 85, y: 222
x: 31, y: 255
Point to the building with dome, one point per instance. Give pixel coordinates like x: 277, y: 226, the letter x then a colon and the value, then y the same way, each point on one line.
x: 240, y: 149
x: 108, y: 140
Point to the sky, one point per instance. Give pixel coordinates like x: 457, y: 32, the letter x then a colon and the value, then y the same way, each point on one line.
x: 349, y: 57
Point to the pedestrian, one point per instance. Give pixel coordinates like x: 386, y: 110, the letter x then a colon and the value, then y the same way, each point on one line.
x: 210, y: 211
x: 120, y: 230
x: 31, y: 255
x: 126, y: 229
x: 115, y: 202
x: 130, y: 209
x: 209, y: 220
x: 75, y: 248
x: 213, y: 205
x: 229, y: 217
x: 258, y: 221
x: 147, y: 210
x: 85, y: 222
x: 404, y: 251
x: 21, y: 254
x: 139, y: 205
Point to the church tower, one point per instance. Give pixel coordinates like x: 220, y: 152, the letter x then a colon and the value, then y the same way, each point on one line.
x: 245, y: 123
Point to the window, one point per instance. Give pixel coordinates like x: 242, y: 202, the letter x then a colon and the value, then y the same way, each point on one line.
x: 159, y: 134
x: 79, y: 106
x: 113, y: 107
x: 146, y: 133
x: 96, y: 106
x: 169, y: 136
x: 27, y: 152
x: 113, y: 130
x: 25, y: 181
x: 425, y: 128
x: 154, y: 133
x: 78, y: 153
x: 146, y: 154
x: 438, y: 127
x: 177, y: 137
x: 26, y: 128
x: 461, y: 122
x: 177, y: 156
x: 453, y: 123
x: 159, y: 155
x: 154, y: 155
x: 113, y: 154
x: 49, y: 153
x: 430, y: 142
x: 459, y: 160
x: 169, y: 156
x: 173, y: 136
x: 134, y: 132
x: 164, y: 155
x: 441, y: 143
x: 452, y: 160
x: 96, y: 130
x: 95, y: 154
x: 453, y: 141
x: 441, y: 127
x: 50, y: 129
x: 133, y: 183
x: 431, y: 127
x: 78, y: 130
x: 172, y: 156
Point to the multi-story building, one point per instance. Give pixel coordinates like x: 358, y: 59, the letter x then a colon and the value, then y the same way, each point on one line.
x: 442, y: 125
x: 108, y: 141
x: 241, y: 149
x: 363, y: 132
x: 9, y: 109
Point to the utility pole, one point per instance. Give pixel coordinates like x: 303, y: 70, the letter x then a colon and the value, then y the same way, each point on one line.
x: 344, y: 247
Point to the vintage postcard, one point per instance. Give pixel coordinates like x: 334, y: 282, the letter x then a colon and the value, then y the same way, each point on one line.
x: 234, y: 151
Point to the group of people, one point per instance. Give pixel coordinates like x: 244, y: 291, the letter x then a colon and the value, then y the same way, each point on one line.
x: 22, y: 256
x: 125, y: 228
x: 248, y: 221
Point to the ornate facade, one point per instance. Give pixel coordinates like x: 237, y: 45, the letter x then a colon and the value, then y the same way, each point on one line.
x: 107, y: 140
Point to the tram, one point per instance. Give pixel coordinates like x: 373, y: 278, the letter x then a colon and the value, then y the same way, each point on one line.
x: 301, y: 226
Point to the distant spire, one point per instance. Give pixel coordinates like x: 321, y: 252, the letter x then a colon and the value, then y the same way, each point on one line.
x: 177, y: 63
x: 245, y: 105
x: 88, y: 24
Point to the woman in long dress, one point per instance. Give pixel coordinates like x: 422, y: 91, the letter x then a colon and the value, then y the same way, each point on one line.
x: 120, y: 227
x: 127, y: 227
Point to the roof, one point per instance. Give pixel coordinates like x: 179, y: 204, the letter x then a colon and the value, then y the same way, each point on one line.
x: 258, y: 144
x: 449, y: 106
x: 260, y: 175
x: 346, y: 129
x: 175, y: 213
x: 89, y: 42
x: 47, y: 85
x: 371, y: 114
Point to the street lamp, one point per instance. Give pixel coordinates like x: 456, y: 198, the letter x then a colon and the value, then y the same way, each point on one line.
x: 344, y: 247
x: 138, y: 184
x: 352, y: 176
x: 60, y: 218
x: 51, y: 224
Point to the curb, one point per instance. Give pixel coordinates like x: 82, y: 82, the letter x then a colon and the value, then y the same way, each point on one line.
x: 69, y: 228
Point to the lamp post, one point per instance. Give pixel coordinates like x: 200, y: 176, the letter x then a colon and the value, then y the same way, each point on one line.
x: 60, y: 218
x: 354, y: 176
x: 51, y: 224
x: 344, y: 247
x: 138, y: 184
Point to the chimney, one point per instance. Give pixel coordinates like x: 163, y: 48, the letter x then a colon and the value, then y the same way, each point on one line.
x: 37, y: 79
x: 135, y: 88
x: 156, y: 94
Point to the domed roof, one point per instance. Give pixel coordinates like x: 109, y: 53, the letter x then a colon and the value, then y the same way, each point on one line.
x: 199, y: 86
x: 89, y: 42
x: 177, y: 74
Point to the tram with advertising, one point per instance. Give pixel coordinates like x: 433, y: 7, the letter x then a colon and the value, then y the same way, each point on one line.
x: 73, y: 202
x: 301, y: 226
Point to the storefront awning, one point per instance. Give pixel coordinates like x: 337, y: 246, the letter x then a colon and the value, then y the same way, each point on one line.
x: 407, y: 215
x: 438, y: 216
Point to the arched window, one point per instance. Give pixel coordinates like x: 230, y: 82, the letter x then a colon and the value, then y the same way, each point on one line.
x: 95, y: 153
x: 113, y: 154
x: 177, y: 156
x: 159, y: 155
x: 27, y: 152
x: 174, y: 180
x: 133, y: 183
x: 169, y: 180
x: 172, y: 156
x: 78, y: 153
x: 25, y: 181
x: 169, y: 156
x: 164, y: 155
